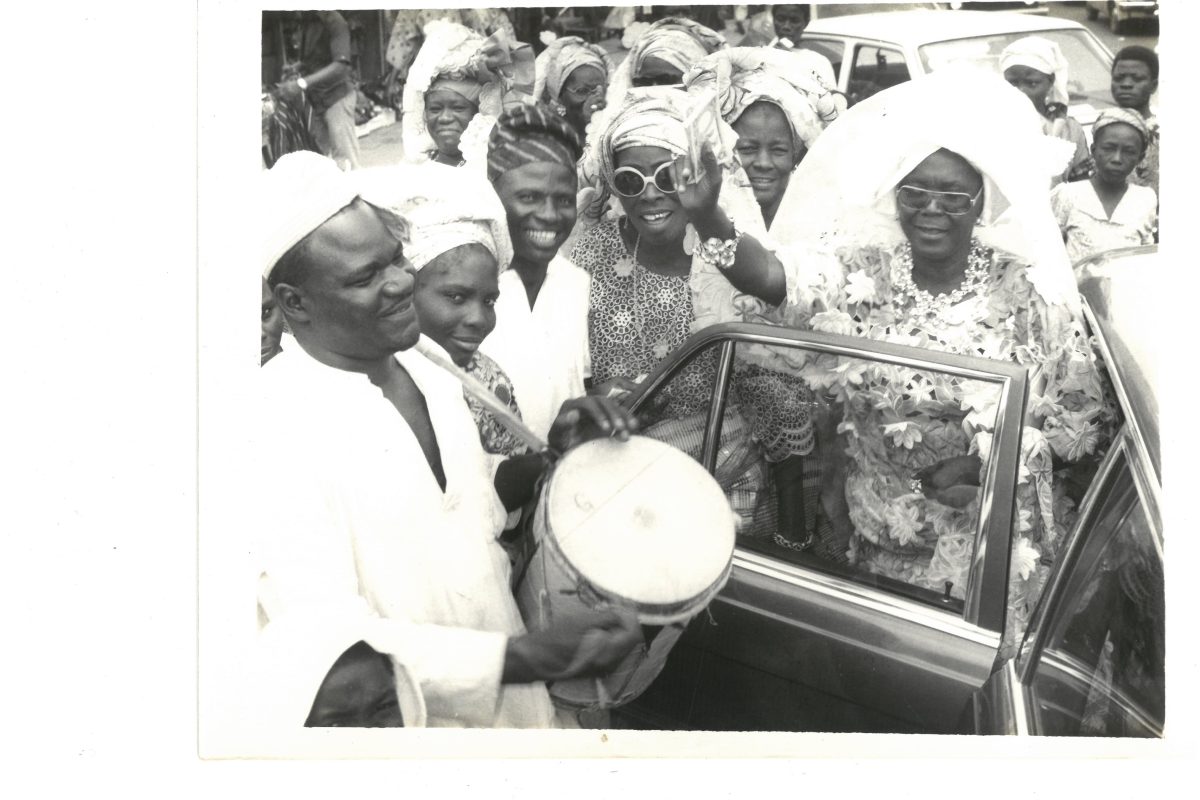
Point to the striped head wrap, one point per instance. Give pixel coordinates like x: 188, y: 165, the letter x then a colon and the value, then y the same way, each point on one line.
x: 528, y: 134
x: 1127, y: 116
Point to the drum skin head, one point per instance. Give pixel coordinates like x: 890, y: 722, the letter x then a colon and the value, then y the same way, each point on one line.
x: 642, y: 522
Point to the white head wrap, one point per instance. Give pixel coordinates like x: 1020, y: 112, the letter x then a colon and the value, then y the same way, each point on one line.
x: 852, y: 176
x: 677, y: 41
x: 445, y: 208
x: 456, y: 53
x: 305, y: 189
x: 743, y: 76
x: 1044, y: 56
x: 292, y: 658
x: 562, y: 57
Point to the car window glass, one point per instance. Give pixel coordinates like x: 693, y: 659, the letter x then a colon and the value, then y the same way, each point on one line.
x: 829, y: 48
x: 874, y: 69
x: 1101, y: 670
x: 860, y: 468
x: 1089, y: 79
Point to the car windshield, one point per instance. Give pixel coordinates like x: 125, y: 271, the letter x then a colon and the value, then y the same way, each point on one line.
x: 1088, y: 81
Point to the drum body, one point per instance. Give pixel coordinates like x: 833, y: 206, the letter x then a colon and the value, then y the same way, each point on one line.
x: 635, y: 525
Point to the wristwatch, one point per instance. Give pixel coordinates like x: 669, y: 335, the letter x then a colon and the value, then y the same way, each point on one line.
x: 303, y: 84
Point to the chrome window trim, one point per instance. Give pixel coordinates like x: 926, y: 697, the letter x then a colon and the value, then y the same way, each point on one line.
x: 1034, y: 642
x: 864, y: 597
x: 1135, y: 433
x: 716, y: 409
x: 1019, y: 697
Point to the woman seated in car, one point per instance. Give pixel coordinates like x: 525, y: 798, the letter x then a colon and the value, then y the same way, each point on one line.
x: 929, y: 232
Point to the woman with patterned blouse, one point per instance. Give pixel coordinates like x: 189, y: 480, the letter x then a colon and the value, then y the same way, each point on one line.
x: 929, y: 233
x: 676, y: 262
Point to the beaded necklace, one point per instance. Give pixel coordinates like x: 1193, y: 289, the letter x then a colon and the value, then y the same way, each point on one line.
x: 924, y: 305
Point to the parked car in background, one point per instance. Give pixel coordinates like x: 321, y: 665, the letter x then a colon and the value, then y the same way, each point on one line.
x: 797, y: 641
x: 1019, y: 6
x: 870, y: 52
x: 1120, y: 12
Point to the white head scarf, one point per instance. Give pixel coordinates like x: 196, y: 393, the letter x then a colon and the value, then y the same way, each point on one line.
x: 883, y: 138
x: 677, y: 41
x: 303, y: 190
x: 1044, y: 56
x: 562, y: 57
x: 743, y: 76
x: 462, y: 59
x: 444, y: 208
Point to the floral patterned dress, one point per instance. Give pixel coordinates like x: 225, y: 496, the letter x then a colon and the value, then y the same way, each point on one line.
x: 897, y: 421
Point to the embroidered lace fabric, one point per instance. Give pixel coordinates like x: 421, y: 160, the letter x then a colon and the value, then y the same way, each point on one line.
x: 897, y: 421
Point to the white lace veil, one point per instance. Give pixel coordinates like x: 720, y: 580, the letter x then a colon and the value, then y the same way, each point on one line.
x: 849, y: 176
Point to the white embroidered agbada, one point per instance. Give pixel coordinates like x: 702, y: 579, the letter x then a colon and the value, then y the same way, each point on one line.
x: 543, y: 349
x: 361, y: 529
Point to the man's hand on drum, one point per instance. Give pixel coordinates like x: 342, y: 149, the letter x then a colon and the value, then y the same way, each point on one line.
x: 580, y: 647
x: 590, y: 417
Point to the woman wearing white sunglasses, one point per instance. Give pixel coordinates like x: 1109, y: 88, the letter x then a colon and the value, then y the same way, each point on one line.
x: 649, y: 266
x: 685, y: 254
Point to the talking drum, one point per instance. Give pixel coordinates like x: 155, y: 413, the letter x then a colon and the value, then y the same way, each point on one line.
x: 636, y: 525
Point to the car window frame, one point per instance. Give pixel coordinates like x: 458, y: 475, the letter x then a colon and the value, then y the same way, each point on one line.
x: 987, y: 584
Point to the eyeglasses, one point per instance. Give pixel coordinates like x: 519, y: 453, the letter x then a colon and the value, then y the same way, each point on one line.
x: 953, y: 203
x: 582, y: 92
x: 631, y: 182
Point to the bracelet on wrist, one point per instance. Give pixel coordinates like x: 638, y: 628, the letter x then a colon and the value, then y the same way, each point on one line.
x: 721, y: 253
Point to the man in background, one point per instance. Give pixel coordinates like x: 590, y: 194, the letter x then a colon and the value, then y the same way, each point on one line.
x: 325, y: 81
x: 1134, y: 82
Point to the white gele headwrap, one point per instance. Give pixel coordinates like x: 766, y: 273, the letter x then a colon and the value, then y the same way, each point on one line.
x: 1043, y: 55
x: 293, y: 655
x: 562, y: 57
x: 743, y: 76
x: 444, y: 207
x: 675, y: 40
x: 850, y: 176
x: 498, y: 64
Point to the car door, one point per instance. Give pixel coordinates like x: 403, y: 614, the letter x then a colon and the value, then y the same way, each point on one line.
x: 799, y: 641
x: 1091, y: 663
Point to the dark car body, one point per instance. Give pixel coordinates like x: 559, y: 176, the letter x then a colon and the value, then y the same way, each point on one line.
x: 795, y: 644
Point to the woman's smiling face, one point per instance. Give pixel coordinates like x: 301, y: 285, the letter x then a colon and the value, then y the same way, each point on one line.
x: 934, y: 234
x: 456, y: 298
x: 657, y: 216
x: 767, y: 151
x: 447, y: 115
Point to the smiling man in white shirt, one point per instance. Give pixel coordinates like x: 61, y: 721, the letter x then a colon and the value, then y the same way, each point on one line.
x: 381, y: 509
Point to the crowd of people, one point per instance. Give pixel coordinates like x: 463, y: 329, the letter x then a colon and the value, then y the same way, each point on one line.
x: 559, y: 228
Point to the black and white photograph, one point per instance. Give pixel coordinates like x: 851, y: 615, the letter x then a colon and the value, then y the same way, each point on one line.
x: 773, y: 368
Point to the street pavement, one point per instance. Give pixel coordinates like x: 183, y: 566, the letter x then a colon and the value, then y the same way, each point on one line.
x: 382, y: 146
